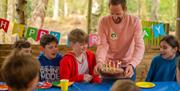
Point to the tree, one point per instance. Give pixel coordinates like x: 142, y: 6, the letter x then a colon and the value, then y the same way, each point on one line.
x: 154, y: 10
x: 65, y: 8
x: 95, y: 14
x: 20, y: 9
x: 141, y: 8
x: 39, y: 12
x: 178, y: 21
x: 11, y: 10
x: 89, y: 16
x: 56, y: 9
x: 3, y: 8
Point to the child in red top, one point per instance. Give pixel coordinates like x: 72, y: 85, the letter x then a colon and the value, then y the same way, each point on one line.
x: 78, y: 64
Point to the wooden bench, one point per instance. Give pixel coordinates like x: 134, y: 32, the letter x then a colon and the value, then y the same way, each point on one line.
x: 141, y: 69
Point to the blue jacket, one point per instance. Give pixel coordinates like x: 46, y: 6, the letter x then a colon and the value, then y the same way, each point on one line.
x: 162, y: 69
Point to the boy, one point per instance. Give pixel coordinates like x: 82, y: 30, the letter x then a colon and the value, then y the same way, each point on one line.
x: 124, y: 85
x: 22, y: 47
x: 20, y: 72
x: 49, y: 59
x: 78, y: 64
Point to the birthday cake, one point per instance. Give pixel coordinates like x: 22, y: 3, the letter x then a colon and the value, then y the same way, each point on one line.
x: 112, y: 69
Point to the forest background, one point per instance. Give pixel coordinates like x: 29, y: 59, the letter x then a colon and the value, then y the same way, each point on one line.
x: 64, y: 15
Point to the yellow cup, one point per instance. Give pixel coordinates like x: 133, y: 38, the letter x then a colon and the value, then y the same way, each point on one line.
x: 64, y: 84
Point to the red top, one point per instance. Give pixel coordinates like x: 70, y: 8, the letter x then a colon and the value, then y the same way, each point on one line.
x: 69, y: 67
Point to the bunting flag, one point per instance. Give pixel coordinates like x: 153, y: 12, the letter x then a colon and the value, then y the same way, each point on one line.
x: 93, y: 40
x: 19, y: 29
x: 57, y: 35
x: 147, y: 33
x: 4, y: 24
x: 35, y: 34
x: 41, y: 32
x: 159, y: 30
x: 31, y: 33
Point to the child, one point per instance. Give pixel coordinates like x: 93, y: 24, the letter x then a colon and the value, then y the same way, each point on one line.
x: 22, y: 47
x: 163, y: 66
x: 20, y: 72
x: 78, y: 64
x: 178, y: 72
x: 49, y: 59
x: 124, y: 85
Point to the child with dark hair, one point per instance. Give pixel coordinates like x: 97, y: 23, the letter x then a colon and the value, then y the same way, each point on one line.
x: 49, y: 59
x: 20, y: 72
x: 124, y: 85
x: 22, y: 47
x: 78, y: 64
x: 178, y: 71
x: 163, y: 66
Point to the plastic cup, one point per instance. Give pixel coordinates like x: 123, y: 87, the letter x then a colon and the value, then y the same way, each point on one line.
x: 64, y: 84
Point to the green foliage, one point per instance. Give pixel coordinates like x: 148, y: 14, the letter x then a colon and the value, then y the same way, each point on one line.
x: 29, y: 8
x: 132, y: 5
x: 49, y: 12
x: 3, y: 8
x: 166, y: 10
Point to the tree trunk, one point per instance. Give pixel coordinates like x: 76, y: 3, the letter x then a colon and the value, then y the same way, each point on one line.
x: 65, y: 8
x: 56, y: 10
x: 89, y: 16
x: 39, y: 13
x: 20, y: 9
x: 95, y: 14
x: 139, y: 8
x: 3, y: 9
x: 154, y: 9
x: 11, y: 10
x: 178, y: 21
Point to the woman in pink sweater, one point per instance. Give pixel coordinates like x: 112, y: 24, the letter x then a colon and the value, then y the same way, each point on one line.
x: 121, y: 39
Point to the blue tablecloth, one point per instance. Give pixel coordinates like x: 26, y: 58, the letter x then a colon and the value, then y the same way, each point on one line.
x: 160, y: 86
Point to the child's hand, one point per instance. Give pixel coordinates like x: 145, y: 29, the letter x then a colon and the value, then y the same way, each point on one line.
x: 87, y: 77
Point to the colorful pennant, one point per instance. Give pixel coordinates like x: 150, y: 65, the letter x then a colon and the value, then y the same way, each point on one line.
x: 147, y: 33
x: 57, y: 35
x: 93, y: 40
x: 159, y: 30
x: 4, y: 24
x: 31, y: 33
x: 18, y: 29
x: 41, y: 32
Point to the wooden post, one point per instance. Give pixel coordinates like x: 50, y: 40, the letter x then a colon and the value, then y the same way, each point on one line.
x: 89, y: 16
x: 178, y: 21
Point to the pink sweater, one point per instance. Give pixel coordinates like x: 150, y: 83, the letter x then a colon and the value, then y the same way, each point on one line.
x: 128, y: 46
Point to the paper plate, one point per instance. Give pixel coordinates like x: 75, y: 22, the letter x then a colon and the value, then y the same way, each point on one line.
x: 145, y: 84
x: 3, y: 86
x: 44, y: 85
x: 57, y: 84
